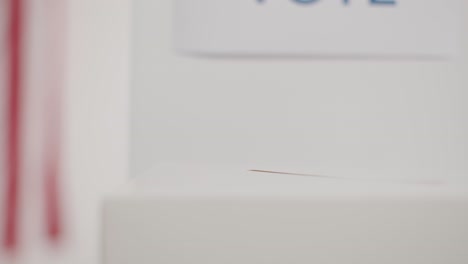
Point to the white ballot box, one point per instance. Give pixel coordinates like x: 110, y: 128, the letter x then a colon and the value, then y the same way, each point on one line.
x: 295, y: 131
x: 381, y: 100
x: 194, y: 214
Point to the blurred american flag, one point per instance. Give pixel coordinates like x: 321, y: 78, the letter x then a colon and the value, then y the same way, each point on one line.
x: 32, y: 59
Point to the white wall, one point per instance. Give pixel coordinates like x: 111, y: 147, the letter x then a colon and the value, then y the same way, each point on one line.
x: 341, y: 117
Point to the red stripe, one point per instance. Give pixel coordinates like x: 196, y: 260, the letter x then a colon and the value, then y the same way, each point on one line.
x: 14, y: 111
x: 52, y: 159
x: 54, y: 84
x: 53, y: 220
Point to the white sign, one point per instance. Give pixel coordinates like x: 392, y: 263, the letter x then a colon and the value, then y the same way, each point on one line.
x: 318, y: 27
